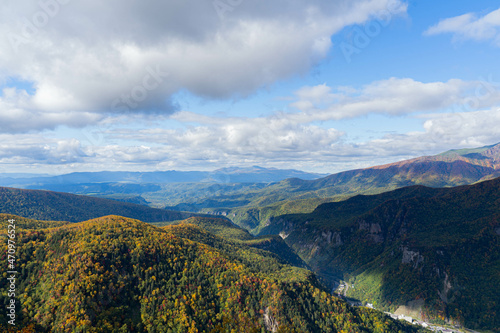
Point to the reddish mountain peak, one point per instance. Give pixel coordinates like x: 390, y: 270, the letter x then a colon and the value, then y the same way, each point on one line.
x: 486, y: 157
x: 494, y: 154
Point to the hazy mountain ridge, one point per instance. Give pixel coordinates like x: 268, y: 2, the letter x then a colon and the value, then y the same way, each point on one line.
x: 441, y: 246
x: 252, y: 204
x: 225, y: 175
x: 175, y: 190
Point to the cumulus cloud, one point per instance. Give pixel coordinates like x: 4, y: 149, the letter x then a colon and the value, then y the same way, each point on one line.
x: 394, y: 96
x: 470, y: 26
x: 294, y: 139
x: 268, y: 142
x: 463, y: 129
x: 267, y: 137
x: 94, y: 62
x: 130, y: 56
x: 279, y: 141
x: 19, y: 114
x: 34, y: 150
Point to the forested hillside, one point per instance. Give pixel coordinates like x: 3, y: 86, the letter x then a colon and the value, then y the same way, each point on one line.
x: 25, y: 223
x: 115, y: 274
x: 434, y: 249
x: 56, y: 206
x: 239, y: 237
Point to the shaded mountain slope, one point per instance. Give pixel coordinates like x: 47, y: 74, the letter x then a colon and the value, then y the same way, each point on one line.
x: 115, y: 274
x: 46, y: 205
x: 438, y: 247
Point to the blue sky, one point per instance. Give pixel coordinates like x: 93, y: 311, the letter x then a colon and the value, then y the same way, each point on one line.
x: 320, y: 86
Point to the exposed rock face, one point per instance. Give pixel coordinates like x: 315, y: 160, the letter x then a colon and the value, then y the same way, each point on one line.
x: 412, y: 257
x: 285, y: 226
x: 363, y: 225
x: 283, y: 235
x: 333, y: 237
x: 270, y: 322
x: 374, y: 229
x: 338, y: 240
x: 443, y: 294
x: 412, y: 309
x: 327, y: 236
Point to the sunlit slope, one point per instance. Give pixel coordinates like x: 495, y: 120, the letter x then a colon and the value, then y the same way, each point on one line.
x: 441, y: 246
x: 220, y: 231
x: 230, y: 232
x: 218, y: 226
x: 115, y: 274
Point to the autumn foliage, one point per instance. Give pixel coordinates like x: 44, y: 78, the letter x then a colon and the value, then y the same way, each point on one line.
x: 115, y: 274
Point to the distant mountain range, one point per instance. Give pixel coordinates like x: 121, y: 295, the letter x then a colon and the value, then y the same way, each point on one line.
x: 253, y: 174
x: 433, y: 252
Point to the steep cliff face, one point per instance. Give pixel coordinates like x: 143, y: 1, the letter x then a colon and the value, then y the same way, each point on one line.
x: 439, y: 246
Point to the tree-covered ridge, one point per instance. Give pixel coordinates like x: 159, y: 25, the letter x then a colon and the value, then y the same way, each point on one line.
x: 56, y: 206
x: 256, y: 260
x: 224, y: 228
x: 277, y: 245
x: 439, y: 248
x: 219, y: 226
x: 115, y: 274
x: 25, y: 223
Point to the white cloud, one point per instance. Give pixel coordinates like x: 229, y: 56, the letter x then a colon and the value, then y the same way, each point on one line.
x: 392, y: 97
x: 269, y: 137
x: 96, y: 57
x: 464, y: 129
x: 270, y: 142
x: 470, y: 26
x: 278, y: 141
x: 440, y: 132
x: 19, y: 114
x: 290, y: 140
x: 91, y: 59
x: 34, y: 150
